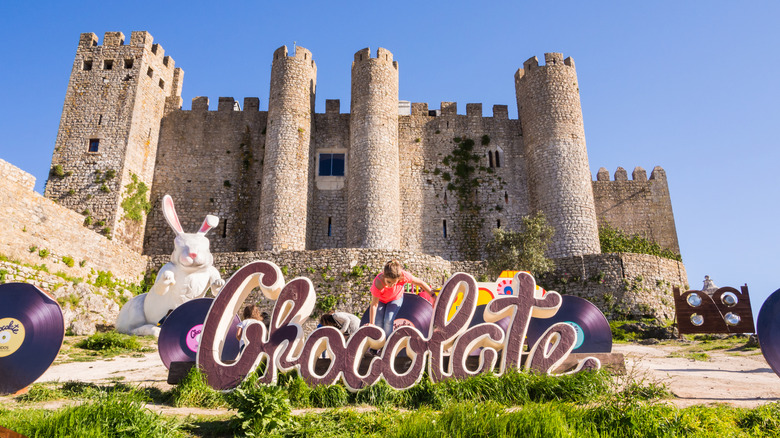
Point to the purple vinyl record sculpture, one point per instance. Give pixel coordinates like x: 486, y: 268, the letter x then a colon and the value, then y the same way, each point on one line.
x: 593, y: 332
x: 31, y: 333
x: 180, y: 333
x: 769, y: 330
x: 414, y: 311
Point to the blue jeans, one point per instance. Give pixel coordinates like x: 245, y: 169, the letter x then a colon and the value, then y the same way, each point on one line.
x: 386, y: 313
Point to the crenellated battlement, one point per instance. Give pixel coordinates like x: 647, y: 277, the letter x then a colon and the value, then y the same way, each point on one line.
x: 552, y: 59
x: 300, y: 54
x: 225, y: 104
x: 382, y: 55
x: 89, y: 45
x: 639, y: 174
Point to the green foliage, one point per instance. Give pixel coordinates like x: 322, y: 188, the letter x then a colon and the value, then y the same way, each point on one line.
x: 58, y: 171
x: 32, y: 248
x: 112, y: 414
x: 226, y: 183
x: 88, y: 220
x: 615, y: 240
x: 104, y: 188
x: 194, y: 391
x: 328, y: 396
x: 260, y: 408
x: 135, y: 203
x: 111, y: 342
x: 3, y: 273
x: 485, y: 140
x: 73, y: 300
x: 43, y: 253
x: 521, y: 250
x: 68, y: 260
x: 105, y: 279
x: 326, y: 303
x: 285, y: 270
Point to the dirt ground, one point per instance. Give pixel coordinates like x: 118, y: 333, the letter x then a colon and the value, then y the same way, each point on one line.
x: 735, y: 377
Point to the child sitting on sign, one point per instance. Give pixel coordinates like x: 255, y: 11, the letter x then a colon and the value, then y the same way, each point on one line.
x: 251, y: 314
x: 387, y: 295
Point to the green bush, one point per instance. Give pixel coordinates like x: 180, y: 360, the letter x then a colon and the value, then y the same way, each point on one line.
x: 111, y: 341
x: 260, y: 408
x: 194, y: 391
x: 522, y: 250
x: 616, y: 240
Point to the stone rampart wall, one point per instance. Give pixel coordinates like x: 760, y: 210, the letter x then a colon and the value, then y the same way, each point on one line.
x: 38, y: 231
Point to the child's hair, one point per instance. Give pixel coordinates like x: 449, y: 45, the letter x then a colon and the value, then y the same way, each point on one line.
x: 393, y: 269
x: 252, y: 311
x: 329, y: 321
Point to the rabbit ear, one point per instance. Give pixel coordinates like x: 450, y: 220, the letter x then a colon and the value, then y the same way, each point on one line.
x: 170, y: 214
x: 208, y: 223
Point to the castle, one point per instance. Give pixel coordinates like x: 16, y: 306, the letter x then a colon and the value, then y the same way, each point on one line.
x: 387, y: 175
x: 331, y: 192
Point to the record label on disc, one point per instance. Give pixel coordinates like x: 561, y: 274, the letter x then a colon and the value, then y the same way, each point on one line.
x: 11, y: 336
x: 193, y: 338
x: 580, y: 333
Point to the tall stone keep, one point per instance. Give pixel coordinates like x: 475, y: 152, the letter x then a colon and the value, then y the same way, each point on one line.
x: 559, y: 178
x: 374, y: 206
x: 107, y: 139
x: 284, y: 198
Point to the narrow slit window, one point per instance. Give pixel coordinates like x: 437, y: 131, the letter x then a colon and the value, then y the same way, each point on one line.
x: 330, y: 227
x: 506, y: 198
x: 498, y: 223
x: 100, y: 119
x: 149, y: 72
x: 224, y: 229
x: 490, y: 158
x: 444, y: 228
x: 162, y: 84
x: 498, y: 160
x: 94, y: 144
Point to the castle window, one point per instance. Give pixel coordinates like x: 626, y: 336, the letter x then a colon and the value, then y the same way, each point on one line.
x: 330, y: 227
x: 498, y: 160
x: 224, y: 229
x: 490, y: 158
x: 506, y: 198
x: 331, y: 165
x: 149, y: 72
x: 87, y: 65
x: 162, y: 84
x: 94, y: 144
x: 444, y: 228
x: 100, y: 119
x: 498, y: 223
x: 129, y: 63
x: 108, y: 64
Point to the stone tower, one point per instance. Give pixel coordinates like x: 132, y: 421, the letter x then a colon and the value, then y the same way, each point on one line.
x: 374, y: 208
x: 284, y: 199
x: 560, y: 183
x: 107, y: 139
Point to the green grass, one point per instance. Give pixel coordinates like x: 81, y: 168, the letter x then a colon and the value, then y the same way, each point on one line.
x: 112, y: 342
x: 106, y: 414
x: 193, y: 391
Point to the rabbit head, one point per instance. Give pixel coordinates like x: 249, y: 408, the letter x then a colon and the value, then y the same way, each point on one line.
x: 191, y: 250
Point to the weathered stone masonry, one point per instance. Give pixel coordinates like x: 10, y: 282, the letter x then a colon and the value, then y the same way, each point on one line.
x: 405, y: 167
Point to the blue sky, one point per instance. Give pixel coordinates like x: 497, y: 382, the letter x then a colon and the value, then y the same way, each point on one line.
x: 690, y: 86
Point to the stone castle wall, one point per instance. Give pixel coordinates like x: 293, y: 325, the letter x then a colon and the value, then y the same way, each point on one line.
x: 637, y: 206
x: 115, y: 97
x: 619, y: 284
x: 210, y: 162
x: 38, y: 231
x: 548, y: 104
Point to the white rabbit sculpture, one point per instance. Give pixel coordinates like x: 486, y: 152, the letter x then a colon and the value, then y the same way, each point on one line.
x: 188, y: 275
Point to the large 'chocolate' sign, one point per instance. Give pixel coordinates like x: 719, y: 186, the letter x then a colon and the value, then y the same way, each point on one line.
x: 283, y: 347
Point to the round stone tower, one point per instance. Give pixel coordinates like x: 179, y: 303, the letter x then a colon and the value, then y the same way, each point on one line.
x: 559, y: 179
x: 284, y: 196
x: 374, y: 206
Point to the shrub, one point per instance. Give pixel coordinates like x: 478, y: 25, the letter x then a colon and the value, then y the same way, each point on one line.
x: 194, y: 391
x: 260, y: 408
x: 521, y: 250
x: 616, y: 240
x: 111, y: 342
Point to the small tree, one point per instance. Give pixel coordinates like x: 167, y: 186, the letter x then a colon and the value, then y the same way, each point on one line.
x: 521, y: 250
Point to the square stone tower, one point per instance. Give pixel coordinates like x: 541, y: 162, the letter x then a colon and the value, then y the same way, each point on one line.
x: 104, y: 157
